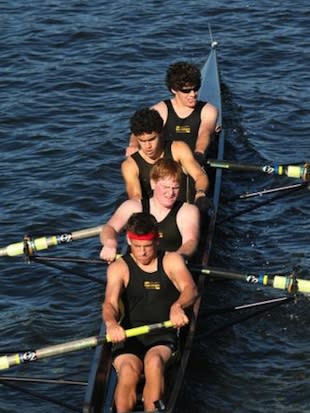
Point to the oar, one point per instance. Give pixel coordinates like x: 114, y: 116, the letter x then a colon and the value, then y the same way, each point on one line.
x: 292, y: 171
x: 283, y: 282
x: 278, y: 196
x: 29, y: 356
x: 247, y: 195
x: 40, y: 380
x: 29, y: 245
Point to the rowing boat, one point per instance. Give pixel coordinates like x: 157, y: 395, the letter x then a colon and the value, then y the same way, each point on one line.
x: 102, y: 377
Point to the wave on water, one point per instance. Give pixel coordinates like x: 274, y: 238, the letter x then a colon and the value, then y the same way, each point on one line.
x: 72, y: 74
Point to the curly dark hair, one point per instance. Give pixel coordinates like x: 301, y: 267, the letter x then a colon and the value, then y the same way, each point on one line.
x: 146, y: 121
x: 182, y: 74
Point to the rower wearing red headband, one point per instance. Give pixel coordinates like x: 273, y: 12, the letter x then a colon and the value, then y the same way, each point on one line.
x: 153, y: 287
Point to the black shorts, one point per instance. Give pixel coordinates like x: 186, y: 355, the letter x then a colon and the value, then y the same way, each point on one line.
x: 140, y: 345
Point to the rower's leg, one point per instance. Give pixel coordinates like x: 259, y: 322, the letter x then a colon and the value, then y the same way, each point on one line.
x: 129, y: 368
x: 154, y: 369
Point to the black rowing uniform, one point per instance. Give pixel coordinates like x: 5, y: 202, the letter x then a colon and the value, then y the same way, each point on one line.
x: 145, y: 169
x: 183, y: 129
x: 170, y: 238
x: 146, y: 300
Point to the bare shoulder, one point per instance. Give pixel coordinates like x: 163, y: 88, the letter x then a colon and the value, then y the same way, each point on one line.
x: 176, y: 269
x: 118, y: 267
x: 208, y: 111
x: 180, y: 146
x: 117, y: 275
x: 172, y: 262
x: 124, y: 211
x: 188, y: 218
x: 159, y: 105
x: 188, y: 208
x: 173, y: 257
x: 162, y: 109
x: 128, y: 164
x: 133, y: 205
x: 179, y: 150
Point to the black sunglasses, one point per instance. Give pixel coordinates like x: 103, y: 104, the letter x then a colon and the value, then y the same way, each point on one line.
x: 189, y: 89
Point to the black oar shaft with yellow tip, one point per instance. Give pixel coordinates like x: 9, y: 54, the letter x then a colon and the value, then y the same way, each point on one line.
x: 292, y: 171
x: 33, y: 355
x: 284, y: 282
x: 30, y: 245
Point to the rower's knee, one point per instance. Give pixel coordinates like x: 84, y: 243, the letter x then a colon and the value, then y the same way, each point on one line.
x: 125, y: 393
x: 154, y: 362
x: 128, y: 371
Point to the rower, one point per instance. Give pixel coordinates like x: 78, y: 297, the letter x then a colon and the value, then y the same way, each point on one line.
x: 185, y: 117
x: 152, y: 287
x: 178, y: 221
x: 147, y: 126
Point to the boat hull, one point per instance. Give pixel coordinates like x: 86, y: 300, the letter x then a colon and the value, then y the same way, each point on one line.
x: 102, y: 378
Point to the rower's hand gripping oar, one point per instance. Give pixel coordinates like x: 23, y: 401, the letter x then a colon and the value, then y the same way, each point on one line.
x: 31, y: 245
x: 292, y: 171
x: 289, y: 283
x: 33, y: 355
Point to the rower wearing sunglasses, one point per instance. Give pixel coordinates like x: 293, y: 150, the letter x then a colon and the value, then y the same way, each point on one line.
x: 185, y: 117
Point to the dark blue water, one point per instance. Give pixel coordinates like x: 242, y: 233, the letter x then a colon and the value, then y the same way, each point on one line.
x: 72, y: 73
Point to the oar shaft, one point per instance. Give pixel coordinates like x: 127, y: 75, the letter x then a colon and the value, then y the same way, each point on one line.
x: 292, y: 171
x: 42, y: 243
x: 276, y: 281
x: 33, y: 355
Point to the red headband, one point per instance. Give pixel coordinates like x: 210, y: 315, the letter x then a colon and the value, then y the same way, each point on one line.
x: 142, y: 237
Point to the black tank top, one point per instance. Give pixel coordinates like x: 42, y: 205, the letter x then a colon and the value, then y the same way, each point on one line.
x: 148, y: 296
x: 186, y: 129
x: 170, y: 238
x: 145, y: 168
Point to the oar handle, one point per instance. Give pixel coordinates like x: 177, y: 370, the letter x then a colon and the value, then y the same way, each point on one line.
x: 33, y: 355
x: 138, y: 331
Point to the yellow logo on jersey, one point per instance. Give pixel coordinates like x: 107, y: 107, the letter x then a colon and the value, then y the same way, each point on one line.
x: 183, y: 129
x: 151, y: 285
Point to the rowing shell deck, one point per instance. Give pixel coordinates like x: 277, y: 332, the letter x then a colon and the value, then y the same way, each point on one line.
x: 102, y: 377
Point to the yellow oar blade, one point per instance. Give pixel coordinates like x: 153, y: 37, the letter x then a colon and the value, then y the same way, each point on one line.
x: 292, y: 171
x: 30, y: 245
x: 33, y: 355
x: 284, y: 282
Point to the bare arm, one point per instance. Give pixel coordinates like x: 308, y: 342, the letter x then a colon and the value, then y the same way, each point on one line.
x: 188, y: 221
x: 109, y: 232
x: 207, y: 127
x: 179, y: 274
x: 133, y: 145
x: 130, y: 174
x: 116, y: 278
x: 108, y: 239
x: 162, y: 109
x: 182, y: 153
